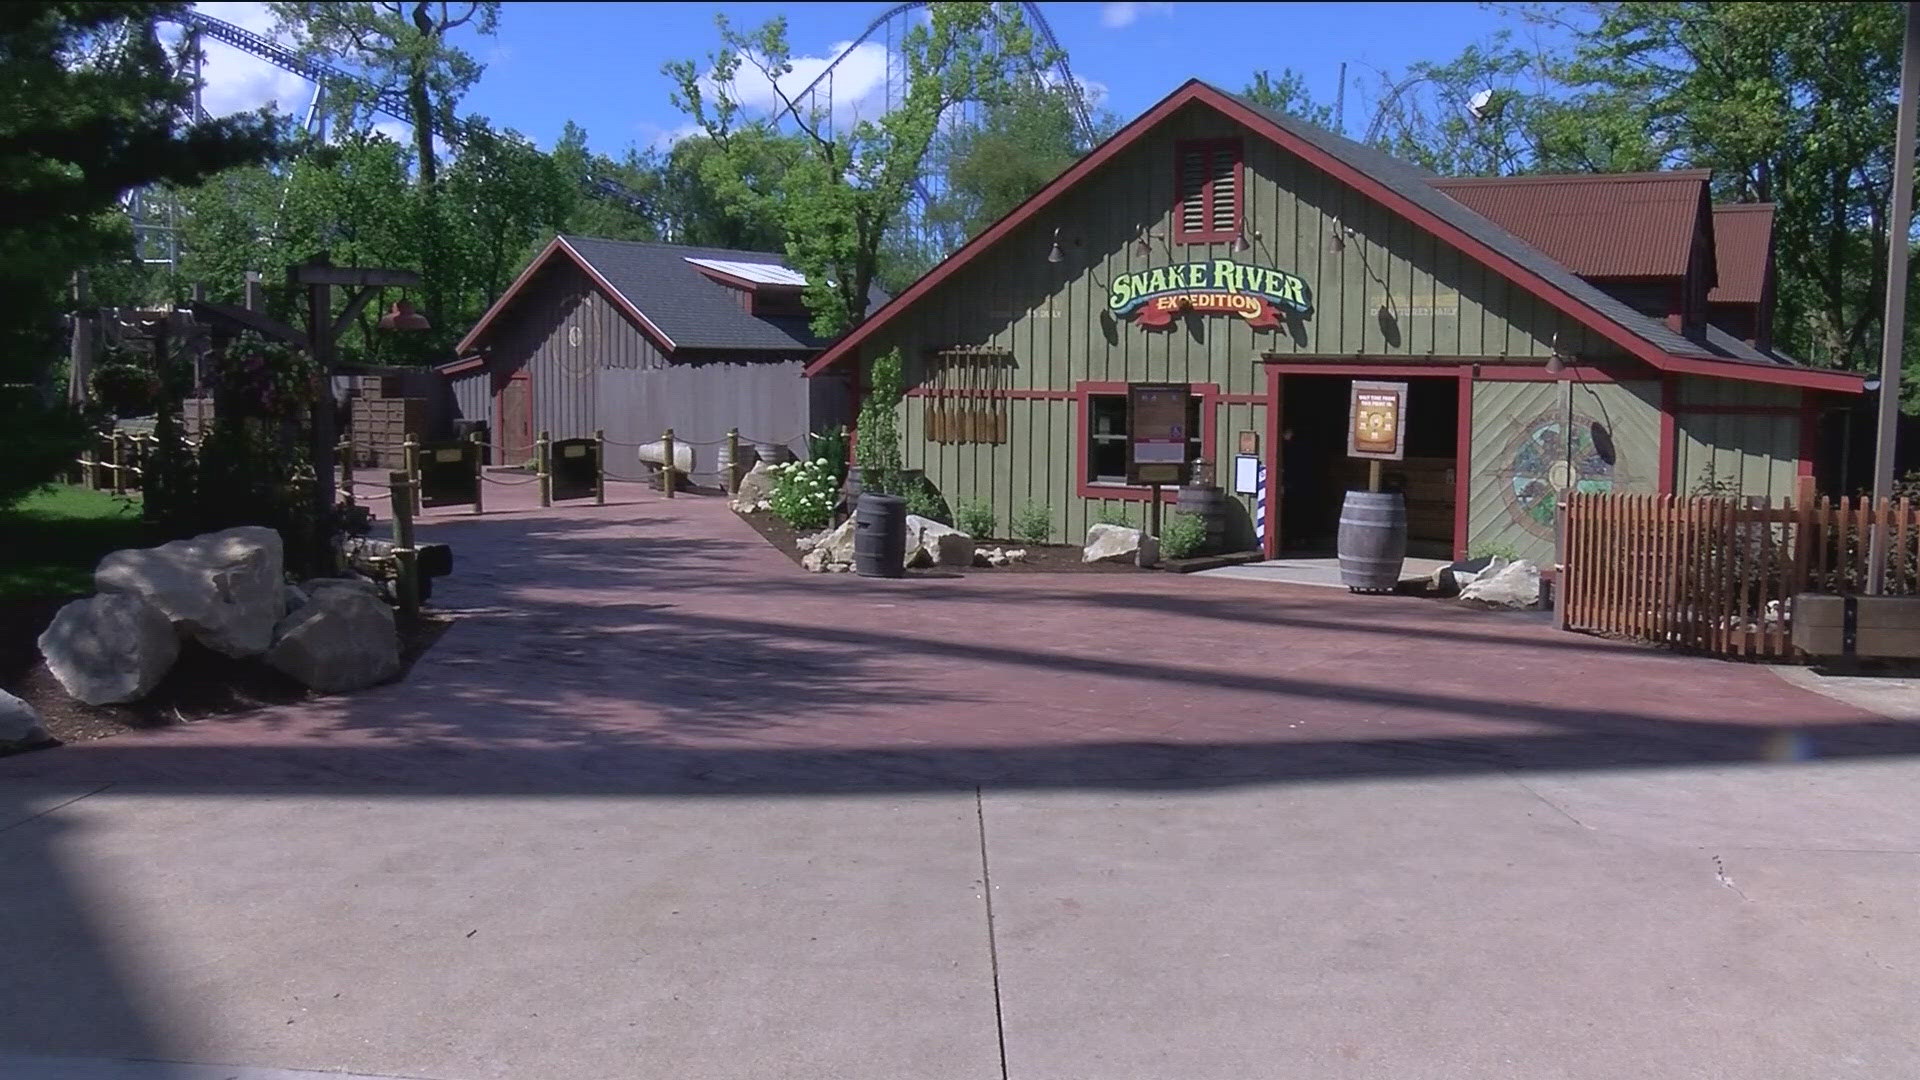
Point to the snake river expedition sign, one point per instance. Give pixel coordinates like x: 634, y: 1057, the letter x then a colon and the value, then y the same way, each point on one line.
x: 1153, y: 297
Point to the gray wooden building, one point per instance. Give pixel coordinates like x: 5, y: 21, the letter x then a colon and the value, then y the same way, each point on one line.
x: 634, y: 338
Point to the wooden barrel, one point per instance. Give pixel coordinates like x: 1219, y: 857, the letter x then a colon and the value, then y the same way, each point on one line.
x: 1373, y: 540
x: 880, y: 536
x: 772, y: 453
x: 1209, y: 504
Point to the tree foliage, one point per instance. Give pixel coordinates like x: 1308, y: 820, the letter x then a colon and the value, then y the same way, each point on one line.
x: 1287, y: 93
x: 845, y: 186
x: 1026, y: 135
x: 91, y: 107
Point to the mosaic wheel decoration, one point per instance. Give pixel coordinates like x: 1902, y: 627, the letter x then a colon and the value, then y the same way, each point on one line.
x: 1538, y: 467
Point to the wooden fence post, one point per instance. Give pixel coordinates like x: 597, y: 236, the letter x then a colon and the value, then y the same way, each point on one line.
x: 405, y: 584
x: 345, y: 450
x: 410, y: 460
x: 543, y: 466
x: 599, y: 467
x: 114, y: 455
x: 479, y: 474
x: 733, y: 461
x: 667, y: 473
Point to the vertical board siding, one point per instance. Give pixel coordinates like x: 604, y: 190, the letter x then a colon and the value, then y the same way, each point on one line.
x: 1733, y: 453
x: 593, y: 368
x: 473, y: 396
x: 1053, y: 317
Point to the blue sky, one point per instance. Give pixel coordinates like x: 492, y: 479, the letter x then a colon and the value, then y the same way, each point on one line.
x: 599, y: 63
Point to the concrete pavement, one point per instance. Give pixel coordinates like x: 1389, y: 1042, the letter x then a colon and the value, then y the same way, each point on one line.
x: 659, y: 805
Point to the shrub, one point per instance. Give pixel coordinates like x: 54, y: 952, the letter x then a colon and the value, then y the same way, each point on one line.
x: 924, y: 500
x: 125, y: 389
x: 975, y: 518
x: 42, y: 439
x: 877, y: 451
x: 1114, y: 515
x: 1033, y: 523
x: 804, y: 493
x: 1182, y: 535
x: 830, y: 446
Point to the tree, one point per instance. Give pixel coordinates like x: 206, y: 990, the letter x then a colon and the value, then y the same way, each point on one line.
x: 845, y: 189
x: 503, y: 198
x: 399, y: 48
x: 594, y: 215
x: 1027, y: 135
x: 90, y: 108
x: 1287, y: 93
x: 694, y: 211
x: 1789, y: 103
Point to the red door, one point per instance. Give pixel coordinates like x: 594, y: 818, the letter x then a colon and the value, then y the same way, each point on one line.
x: 514, y: 403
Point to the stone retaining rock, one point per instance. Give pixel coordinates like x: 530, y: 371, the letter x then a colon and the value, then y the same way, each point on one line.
x: 1515, y: 585
x: 223, y: 589
x: 832, y: 553
x: 20, y: 727
x: 1119, y: 544
x: 110, y: 648
x: 344, y: 639
x: 755, y: 491
x: 929, y: 543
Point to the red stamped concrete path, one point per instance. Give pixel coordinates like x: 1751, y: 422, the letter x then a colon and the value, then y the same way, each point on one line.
x: 661, y: 645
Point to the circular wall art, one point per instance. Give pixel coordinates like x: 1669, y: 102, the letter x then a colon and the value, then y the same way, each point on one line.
x: 1538, y: 465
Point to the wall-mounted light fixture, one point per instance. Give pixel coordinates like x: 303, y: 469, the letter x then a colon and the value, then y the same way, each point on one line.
x: 1557, y: 361
x: 1240, y: 242
x: 1338, y: 234
x: 1053, y: 254
x: 1143, y: 241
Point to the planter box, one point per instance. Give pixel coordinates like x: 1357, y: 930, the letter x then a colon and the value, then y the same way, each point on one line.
x: 1880, y: 626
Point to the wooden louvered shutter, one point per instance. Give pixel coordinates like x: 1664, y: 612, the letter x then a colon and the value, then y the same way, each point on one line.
x: 1208, y: 184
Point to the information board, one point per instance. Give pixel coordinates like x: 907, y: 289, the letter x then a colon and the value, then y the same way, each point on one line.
x: 1157, y: 433
x: 449, y: 473
x: 1377, y: 417
x: 576, y: 468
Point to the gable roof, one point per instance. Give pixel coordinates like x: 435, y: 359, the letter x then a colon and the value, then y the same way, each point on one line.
x: 1743, y: 247
x: 668, y: 296
x: 1620, y: 225
x: 1409, y: 191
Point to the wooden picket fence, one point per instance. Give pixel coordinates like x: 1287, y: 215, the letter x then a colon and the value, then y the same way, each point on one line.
x: 1718, y: 575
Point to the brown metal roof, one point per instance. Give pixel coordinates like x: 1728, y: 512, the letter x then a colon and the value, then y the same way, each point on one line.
x: 1619, y: 225
x: 1743, y: 249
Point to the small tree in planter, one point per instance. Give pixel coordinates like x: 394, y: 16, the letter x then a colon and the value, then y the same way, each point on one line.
x: 877, y: 449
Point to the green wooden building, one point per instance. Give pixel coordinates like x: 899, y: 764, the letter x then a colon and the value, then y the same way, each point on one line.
x: 1604, y: 332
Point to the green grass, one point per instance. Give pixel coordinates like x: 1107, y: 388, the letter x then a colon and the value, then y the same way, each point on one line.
x: 51, y: 540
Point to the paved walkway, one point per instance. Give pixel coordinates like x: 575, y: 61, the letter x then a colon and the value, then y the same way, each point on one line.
x: 660, y: 804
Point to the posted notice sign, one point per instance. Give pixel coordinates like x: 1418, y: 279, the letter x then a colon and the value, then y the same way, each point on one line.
x: 1157, y: 433
x: 1377, y: 425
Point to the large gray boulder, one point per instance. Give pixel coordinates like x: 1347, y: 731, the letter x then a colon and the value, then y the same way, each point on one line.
x: 755, y: 489
x: 19, y: 725
x: 1119, y: 544
x: 1515, y: 585
x: 222, y: 588
x: 343, y: 639
x: 832, y: 553
x: 930, y: 543
x: 110, y: 648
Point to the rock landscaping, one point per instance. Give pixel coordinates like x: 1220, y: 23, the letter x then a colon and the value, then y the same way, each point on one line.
x: 20, y: 727
x: 1119, y: 544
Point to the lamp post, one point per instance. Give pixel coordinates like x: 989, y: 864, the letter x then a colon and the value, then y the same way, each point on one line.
x: 319, y: 277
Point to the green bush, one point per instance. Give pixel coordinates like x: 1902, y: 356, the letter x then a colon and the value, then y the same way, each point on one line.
x: 830, y: 446
x: 804, y: 493
x: 1182, y: 535
x: 975, y: 518
x: 925, y: 501
x: 42, y: 440
x: 877, y: 451
x: 125, y: 389
x: 1114, y: 515
x: 1033, y: 523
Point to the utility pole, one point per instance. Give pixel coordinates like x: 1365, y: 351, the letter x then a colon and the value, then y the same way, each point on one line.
x: 1894, y: 321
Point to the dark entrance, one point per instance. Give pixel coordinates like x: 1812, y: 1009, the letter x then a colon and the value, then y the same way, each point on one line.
x: 1316, y: 474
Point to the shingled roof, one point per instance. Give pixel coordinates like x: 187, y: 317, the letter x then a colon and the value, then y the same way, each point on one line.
x: 670, y: 297
x: 1411, y: 191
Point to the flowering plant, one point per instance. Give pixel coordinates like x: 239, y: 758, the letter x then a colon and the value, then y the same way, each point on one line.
x: 804, y: 493
x: 258, y: 377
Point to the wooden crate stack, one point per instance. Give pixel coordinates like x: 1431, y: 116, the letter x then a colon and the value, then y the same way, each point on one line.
x: 382, y: 424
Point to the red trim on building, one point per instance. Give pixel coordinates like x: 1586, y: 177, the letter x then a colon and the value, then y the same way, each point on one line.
x: 1741, y: 410
x: 1462, y: 461
x: 1241, y: 399
x: 1208, y: 393
x: 1207, y: 195
x: 1273, y: 463
x: 1669, y: 433
x: 464, y: 364
x: 1196, y: 91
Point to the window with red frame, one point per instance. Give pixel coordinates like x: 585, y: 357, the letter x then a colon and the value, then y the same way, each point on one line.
x: 1208, y: 180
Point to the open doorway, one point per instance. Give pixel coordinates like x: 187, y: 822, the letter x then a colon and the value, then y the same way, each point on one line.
x: 1316, y: 473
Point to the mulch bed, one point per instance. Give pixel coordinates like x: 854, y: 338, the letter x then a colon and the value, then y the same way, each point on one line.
x: 202, y: 683
x: 1041, y: 558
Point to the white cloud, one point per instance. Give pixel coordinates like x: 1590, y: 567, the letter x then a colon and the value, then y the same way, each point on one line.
x: 859, y: 86
x: 1115, y: 16
x: 237, y: 81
